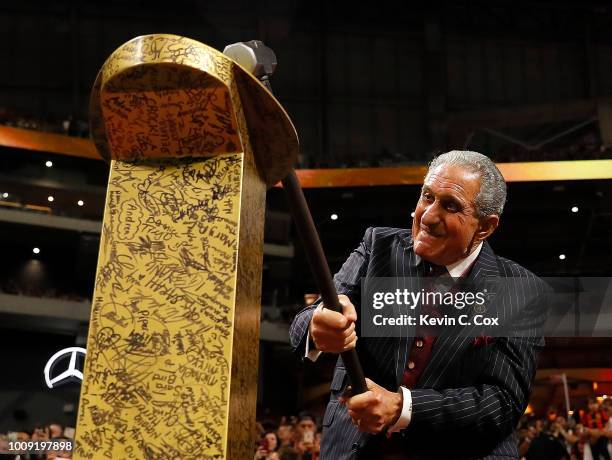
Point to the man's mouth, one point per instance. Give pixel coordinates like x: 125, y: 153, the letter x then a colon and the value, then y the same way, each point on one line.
x: 428, y: 232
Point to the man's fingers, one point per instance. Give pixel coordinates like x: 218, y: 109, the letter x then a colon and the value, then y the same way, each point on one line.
x: 350, y: 339
x: 335, y: 338
x: 350, y: 346
x: 349, y: 331
x: 320, y: 333
x: 332, y: 331
x: 365, y: 422
x: 361, y: 401
x: 348, y: 309
x: 330, y: 318
x: 332, y: 342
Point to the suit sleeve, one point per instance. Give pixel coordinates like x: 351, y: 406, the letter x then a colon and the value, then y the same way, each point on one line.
x: 493, y: 406
x: 347, y: 282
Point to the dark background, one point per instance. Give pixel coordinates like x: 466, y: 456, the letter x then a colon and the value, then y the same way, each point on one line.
x: 388, y: 84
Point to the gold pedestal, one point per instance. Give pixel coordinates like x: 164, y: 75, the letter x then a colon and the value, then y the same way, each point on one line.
x: 171, y: 367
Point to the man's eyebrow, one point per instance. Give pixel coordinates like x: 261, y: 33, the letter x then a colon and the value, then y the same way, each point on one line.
x: 445, y: 196
x: 454, y: 199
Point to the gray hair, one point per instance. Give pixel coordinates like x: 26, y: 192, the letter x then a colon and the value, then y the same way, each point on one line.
x: 492, y: 195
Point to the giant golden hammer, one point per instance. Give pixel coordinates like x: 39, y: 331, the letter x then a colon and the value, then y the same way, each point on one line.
x: 193, y: 140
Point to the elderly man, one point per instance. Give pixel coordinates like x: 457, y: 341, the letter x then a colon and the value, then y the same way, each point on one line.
x: 430, y: 397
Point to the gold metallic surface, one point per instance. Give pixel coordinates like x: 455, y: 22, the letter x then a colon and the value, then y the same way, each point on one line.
x: 171, y: 369
x: 160, y: 96
x: 160, y: 338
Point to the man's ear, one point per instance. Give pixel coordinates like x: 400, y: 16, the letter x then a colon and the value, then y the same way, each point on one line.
x: 486, y: 227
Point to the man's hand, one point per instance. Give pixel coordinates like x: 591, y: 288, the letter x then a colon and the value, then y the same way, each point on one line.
x: 334, y: 332
x: 376, y: 410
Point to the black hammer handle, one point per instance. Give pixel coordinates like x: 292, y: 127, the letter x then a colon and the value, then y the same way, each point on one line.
x: 320, y: 269
x: 260, y: 60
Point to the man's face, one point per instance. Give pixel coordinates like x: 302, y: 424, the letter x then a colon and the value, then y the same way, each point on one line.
x: 445, y: 221
x: 306, y: 425
x: 561, y: 421
x: 285, y: 432
x: 55, y: 431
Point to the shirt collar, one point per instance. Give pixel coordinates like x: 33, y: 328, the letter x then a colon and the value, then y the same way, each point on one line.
x: 458, y: 268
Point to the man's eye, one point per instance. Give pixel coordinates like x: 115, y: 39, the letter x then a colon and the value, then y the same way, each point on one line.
x: 428, y: 196
x: 452, y: 207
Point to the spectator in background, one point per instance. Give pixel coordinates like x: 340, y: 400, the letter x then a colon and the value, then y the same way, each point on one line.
x: 565, y: 433
x: 305, y: 432
x: 527, y: 434
x: 546, y: 446
x: 596, y: 419
x: 60, y: 454
x: 40, y: 433
x: 285, y: 434
x: 268, y: 447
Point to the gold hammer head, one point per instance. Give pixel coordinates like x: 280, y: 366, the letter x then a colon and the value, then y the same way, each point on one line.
x: 163, y: 96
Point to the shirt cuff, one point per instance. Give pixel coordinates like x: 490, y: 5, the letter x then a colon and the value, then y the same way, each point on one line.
x: 406, y: 415
x: 311, y: 354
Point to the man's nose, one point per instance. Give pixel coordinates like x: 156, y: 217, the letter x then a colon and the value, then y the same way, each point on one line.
x: 431, y: 215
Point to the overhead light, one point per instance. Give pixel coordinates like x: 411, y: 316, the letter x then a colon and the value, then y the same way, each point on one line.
x: 80, y: 202
x: 562, y: 256
x: 334, y: 217
x: 49, y: 163
x: 50, y: 198
x: 36, y: 250
x: 5, y: 195
x: 412, y: 214
x: 574, y: 208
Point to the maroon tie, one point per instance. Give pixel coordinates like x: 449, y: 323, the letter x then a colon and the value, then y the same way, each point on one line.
x: 422, y: 346
x: 393, y: 448
x: 423, y: 342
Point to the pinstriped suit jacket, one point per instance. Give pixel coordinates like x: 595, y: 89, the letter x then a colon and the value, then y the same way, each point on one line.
x: 469, y: 398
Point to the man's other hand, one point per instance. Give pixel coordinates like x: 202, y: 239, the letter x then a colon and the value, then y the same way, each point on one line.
x: 334, y: 332
x: 376, y: 410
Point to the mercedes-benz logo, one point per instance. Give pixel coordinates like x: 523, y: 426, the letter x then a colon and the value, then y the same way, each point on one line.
x: 71, y: 374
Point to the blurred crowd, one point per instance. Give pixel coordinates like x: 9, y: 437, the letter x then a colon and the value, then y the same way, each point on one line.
x: 11, y: 286
x: 293, y: 438
x: 583, y: 435
x: 67, y: 125
x: 586, y: 146
x: 41, y: 432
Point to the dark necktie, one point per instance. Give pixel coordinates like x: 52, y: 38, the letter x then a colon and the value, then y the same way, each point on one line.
x: 423, y: 342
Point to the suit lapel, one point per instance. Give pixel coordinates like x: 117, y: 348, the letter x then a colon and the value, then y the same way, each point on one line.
x: 450, y: 344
